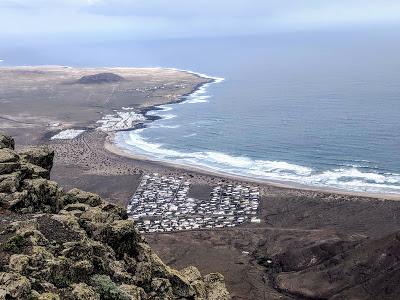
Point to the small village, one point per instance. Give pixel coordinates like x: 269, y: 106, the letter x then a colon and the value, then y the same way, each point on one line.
x: 161, y: 204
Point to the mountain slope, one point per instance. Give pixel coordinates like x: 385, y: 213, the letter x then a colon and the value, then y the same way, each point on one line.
x: 326, y: 265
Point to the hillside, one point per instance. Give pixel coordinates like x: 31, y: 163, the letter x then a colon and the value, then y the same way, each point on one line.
x: 74, y: 245
x: 100, y: 78
x: 327, y: 265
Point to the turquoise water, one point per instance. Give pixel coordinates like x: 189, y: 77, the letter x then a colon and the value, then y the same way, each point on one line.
x: 315, y: 109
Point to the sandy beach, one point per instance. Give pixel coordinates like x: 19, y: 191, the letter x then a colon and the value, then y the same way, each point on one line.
x: 39, y: 102
x: 111, y: 146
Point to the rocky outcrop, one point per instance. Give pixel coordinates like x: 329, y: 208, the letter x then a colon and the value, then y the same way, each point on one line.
x: 6, y: 142
x: 40, y: 157
x: 73, y: 245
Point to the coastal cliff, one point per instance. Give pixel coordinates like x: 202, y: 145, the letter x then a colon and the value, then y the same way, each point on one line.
x: 74, y: 245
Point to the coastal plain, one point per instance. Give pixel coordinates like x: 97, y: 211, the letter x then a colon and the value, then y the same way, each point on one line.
x: 290, y: 254
x: 43, y: 100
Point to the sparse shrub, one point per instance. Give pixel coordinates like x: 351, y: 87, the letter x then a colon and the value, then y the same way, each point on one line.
x: 14, y: 244
x: 107, y: 289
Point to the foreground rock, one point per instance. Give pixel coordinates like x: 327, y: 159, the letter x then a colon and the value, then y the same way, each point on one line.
x: 57, y: 245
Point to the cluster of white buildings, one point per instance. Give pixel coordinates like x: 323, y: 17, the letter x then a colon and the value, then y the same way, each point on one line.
x: 151, y: 88
x: 120, y: 120
x: 161, y: 204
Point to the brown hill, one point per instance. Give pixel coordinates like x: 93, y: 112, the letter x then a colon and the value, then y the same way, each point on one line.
x: 100, y: 78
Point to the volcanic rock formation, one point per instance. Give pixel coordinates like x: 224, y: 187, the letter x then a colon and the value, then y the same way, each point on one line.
x: 73, y: 245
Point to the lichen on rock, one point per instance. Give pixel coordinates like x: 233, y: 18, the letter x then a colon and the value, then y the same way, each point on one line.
x: 6, y: 142
x: 73, y: 245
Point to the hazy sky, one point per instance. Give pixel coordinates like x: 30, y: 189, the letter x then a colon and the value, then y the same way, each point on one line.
x: 189, y: 18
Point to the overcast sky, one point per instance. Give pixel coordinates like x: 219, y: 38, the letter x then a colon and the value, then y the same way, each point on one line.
x: 189, y: 18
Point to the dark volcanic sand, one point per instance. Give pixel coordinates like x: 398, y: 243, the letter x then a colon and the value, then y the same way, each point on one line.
x: 288, y: 215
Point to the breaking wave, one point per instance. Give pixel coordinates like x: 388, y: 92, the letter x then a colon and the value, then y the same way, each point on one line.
x: 200, y: 95
x: 164, y: 126
x: 347, y: 177
x: 167, y: 116
x: 199, y: 99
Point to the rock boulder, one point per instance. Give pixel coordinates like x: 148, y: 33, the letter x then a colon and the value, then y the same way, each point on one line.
x: 6, y: 141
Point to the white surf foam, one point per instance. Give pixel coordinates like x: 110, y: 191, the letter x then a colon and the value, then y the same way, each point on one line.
x: 167, y: 116
x: 347, y: 178
x: 341, y: 178
x: 216, y: 79
x: 164, y: 126
x: 199, y: 99
x: 198, y: 96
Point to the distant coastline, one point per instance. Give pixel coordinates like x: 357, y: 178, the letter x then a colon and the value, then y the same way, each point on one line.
x: 144, y: 110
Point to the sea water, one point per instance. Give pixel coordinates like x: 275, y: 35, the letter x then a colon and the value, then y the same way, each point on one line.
x: 319, y: 109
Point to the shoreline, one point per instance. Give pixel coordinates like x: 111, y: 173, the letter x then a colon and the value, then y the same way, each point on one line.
x: 111, y: 146
x: 85, y: 118
x: 144, y: 110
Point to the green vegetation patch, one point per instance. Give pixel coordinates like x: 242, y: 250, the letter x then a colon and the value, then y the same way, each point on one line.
x: 14, y: 244
x: 107, y: 289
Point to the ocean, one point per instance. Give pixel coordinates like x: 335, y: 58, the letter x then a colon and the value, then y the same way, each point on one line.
x: 318, y: 109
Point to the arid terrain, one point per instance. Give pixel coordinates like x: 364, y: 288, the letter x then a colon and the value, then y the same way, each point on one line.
x: 308, y: 245
x: 44, y: 100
